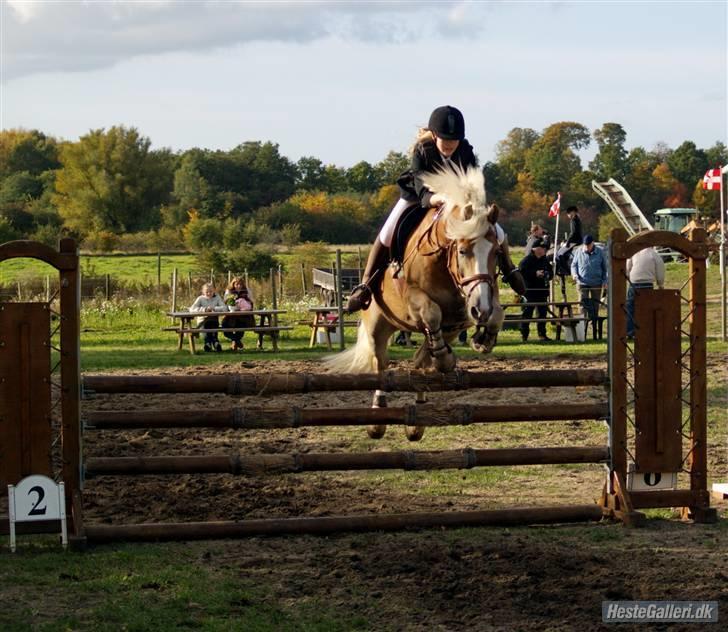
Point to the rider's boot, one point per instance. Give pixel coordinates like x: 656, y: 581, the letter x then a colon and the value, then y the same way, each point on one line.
x: 361, y: 295
x: 511, y: 274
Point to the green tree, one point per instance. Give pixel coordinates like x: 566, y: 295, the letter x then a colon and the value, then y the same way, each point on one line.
x: 112, y: 181
x: 511, y: 155
x: 31, y: 151
x: 394, y: 164
x: 311, y: 174
x: 363, y: 177
x: 717, y: 155
x: 552, y: 160
x: 611, y: 159
x: 688, y: 164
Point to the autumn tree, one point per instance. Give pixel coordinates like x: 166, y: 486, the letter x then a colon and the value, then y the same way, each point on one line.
x: 552, y: 160
x: 112, y: 181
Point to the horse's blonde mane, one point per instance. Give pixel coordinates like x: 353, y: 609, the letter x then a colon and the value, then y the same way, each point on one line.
x: 459, y: 188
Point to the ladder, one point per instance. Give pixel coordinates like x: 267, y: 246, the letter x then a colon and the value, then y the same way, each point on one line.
x: 623, y: 206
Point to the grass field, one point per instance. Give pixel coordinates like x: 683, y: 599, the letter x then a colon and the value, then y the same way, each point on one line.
x: 345, y: 582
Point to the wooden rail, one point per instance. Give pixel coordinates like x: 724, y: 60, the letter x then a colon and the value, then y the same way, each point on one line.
x: 254, y: 384
x: 258, y: 464
x: 415, y: 415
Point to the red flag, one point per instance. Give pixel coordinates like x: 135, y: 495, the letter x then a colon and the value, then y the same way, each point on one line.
x: 556, y: 206
x: 712, y: 179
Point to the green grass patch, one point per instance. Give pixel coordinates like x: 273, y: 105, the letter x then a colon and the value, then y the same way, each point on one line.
x: 162, y: 587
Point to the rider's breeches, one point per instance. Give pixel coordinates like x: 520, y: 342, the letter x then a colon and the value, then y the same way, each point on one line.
x: 387, y: 233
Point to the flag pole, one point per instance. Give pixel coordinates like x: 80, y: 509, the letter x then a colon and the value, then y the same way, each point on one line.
x: 556, y: 247
x: 721, y: 193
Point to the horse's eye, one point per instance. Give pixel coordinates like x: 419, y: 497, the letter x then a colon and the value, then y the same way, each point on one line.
x: 462, y: 252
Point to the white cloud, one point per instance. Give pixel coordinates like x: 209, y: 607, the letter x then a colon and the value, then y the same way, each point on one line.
x: 76, y: 35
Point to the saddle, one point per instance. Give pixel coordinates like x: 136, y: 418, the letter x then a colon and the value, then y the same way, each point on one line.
x: 410, y: 219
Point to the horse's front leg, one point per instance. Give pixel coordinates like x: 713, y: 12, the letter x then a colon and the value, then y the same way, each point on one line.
x: 428, y: 316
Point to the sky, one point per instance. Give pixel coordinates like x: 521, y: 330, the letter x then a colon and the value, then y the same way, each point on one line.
x: 350, y: 81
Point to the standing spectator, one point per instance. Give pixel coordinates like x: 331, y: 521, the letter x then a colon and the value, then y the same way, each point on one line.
x: 208, y: 302
x: 537, y: 272
x: 575, y: 232
x: 644, y: 269
x: 238, y: 298
x: 589, y: 270
x: 537, y: 233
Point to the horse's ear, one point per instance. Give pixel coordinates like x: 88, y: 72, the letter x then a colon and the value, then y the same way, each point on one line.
x: 492, y: 213
x: 467, y: 211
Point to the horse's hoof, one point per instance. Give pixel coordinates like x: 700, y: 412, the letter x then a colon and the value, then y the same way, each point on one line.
x: 414, y: 433
x: 376, y: 432
x: 483, y: 341
x: 446, y: 363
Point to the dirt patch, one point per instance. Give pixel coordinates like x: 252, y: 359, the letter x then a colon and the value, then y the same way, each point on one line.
x: 467, y: 579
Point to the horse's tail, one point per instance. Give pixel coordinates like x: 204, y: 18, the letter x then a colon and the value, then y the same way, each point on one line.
x: 361, y: 358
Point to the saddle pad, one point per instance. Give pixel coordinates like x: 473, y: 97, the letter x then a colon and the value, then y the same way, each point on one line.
x: 410, y: 219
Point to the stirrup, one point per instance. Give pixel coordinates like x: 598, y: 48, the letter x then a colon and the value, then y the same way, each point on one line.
x: 360, y: 298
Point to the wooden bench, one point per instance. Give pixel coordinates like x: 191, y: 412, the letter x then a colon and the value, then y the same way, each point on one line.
x: 267, y: 326
x: 325, y: 319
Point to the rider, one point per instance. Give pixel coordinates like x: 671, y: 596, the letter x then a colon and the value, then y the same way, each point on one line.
x: 441, y: 144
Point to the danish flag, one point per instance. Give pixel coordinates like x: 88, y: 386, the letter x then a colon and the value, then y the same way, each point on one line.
x: 712, y: 179
x: 556, y: 206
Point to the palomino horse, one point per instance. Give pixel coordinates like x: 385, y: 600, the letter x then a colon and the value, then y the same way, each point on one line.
x: 447, y: 282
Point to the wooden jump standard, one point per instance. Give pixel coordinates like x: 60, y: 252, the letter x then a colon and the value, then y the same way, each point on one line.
x: 653, y: 442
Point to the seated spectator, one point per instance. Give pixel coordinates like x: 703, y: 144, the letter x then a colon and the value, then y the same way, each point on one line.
x: 238, y: 298
x: 644, y: 269
x: 537, y: 272
x: 589, y: 270
x: 208, y: 302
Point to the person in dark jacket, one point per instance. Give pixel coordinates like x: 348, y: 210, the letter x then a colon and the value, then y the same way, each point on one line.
x: 575, y: 231
x: 440, y: 145
x: 537, y: 272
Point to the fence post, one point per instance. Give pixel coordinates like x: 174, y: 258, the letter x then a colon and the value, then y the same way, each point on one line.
x: 159, y: 272
x: 48, y: 288
x: 358, y: 254
x: 303, y: 278
x: 174, y: 290
x: 212, y: 276
x: 107, y: 286
x: 339, y: 299
x: 280, y: 281
x: 189, y: 283
x: 230, y: 277
x: 274, y: 299
x: 245, y: 274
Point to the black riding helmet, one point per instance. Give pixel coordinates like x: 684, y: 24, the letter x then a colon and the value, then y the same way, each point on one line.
x: 447, y: 122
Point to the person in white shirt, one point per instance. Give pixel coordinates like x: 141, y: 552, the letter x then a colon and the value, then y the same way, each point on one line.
x: 208, y: 302
x: 645, y: 270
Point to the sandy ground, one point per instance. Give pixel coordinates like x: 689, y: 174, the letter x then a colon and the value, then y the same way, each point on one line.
x: 526, y: 578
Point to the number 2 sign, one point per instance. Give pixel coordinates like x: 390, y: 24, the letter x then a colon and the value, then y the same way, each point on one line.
x: 35, y: 498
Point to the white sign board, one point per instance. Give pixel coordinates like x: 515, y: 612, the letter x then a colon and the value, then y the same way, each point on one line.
x: 650, y: 481
x: 36, y: 498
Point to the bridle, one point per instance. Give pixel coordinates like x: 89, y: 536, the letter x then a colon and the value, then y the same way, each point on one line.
x: 472, y: 281
x: 430, y: 235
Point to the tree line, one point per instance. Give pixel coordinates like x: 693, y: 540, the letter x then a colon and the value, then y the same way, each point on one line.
x: 111, y: 190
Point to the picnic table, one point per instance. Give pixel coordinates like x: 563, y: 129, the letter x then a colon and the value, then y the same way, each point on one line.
x: 325, y: 319
x: 561, y: 314
x: 267, y: 325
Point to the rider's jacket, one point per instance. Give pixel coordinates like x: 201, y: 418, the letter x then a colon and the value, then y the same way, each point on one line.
x: 427, y: 159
